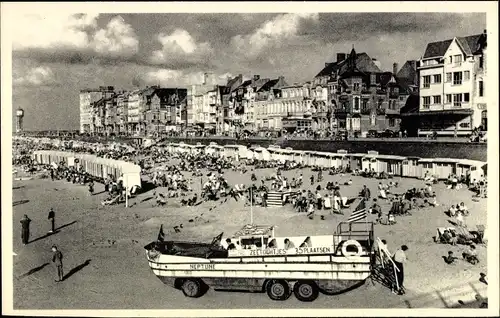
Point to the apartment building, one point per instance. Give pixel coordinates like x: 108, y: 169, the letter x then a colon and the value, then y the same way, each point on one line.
x: 360, y: 97
x: 88, y: 110
x: 452, y: 75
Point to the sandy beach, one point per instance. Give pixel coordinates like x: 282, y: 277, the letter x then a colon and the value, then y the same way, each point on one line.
x: 105, y: 262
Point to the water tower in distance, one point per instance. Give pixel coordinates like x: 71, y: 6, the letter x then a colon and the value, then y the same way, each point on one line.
x: 19, y: 120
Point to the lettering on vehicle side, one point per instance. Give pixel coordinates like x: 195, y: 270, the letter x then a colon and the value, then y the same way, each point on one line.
x: 299, y: 251
x: 313, y: 250
x: 202, y: 266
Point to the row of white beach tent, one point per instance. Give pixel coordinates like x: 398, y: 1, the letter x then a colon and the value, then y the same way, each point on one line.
x: 97, y: 167
x: 395, y: 165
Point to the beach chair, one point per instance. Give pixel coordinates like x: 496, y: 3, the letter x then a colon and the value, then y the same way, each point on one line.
x: 480, y: 234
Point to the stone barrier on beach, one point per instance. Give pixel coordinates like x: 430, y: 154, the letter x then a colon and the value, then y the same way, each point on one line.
x: 410, y: 148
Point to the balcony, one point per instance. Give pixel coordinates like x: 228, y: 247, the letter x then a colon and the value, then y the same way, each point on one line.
x: 341, y: 111
x: 393, y: 94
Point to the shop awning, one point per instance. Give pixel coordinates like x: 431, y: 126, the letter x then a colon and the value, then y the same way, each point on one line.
x: 440, y: 112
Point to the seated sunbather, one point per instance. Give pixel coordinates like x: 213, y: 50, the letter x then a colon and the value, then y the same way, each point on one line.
x: 449, y: 238
x: 450, y: 259
x: 471, y: 255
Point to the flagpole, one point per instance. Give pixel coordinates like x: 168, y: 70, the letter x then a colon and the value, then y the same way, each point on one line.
x: 126, y: 191
x: 251, y: 206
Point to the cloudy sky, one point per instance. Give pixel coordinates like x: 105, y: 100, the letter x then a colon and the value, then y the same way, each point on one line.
x: 58, y: 54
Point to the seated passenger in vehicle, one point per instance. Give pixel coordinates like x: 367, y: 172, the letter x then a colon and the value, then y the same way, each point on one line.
x: 306, y: 243
x: 230, y: 245
x: 288, y: 244
x: 272, y: 244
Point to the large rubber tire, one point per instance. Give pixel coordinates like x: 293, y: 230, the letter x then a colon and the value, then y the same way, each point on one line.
x: 192, y: 288
x: 306, y: 290
x: 278, y: 290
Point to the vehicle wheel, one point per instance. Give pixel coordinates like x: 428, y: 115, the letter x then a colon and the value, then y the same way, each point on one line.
x: 306, y: 290
x: 278, y: 290
x: 192, y: 288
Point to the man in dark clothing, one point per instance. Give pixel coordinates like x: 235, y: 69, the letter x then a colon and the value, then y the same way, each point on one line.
x: 52, y: 174
x: 400, y: 259
x: 57, y: 260
x: 230, y: 245
x: 52, y: 218
x: 365, y: 193
x: 25, y: 234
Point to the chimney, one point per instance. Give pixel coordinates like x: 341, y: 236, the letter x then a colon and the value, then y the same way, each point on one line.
x: 395, y: 69
x: 256, y: 77
x: 205, y: 78
x: 341, y: 57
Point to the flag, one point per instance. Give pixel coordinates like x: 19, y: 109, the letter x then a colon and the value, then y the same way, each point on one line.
x: 161, y: 235
x: 217, y: 239
x: 359, y: 213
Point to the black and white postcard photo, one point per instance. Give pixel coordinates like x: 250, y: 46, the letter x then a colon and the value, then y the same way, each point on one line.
x: 237, y: 159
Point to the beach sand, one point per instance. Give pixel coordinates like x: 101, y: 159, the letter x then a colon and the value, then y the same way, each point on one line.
x: 106, y: 265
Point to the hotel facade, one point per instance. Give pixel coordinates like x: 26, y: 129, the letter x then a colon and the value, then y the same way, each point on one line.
x: 452, y: 76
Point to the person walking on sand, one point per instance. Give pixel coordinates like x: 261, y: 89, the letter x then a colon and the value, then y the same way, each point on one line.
x: 52, y: 218
x: 25, y: 234
x: 399, y: 260
x: 57, y: 260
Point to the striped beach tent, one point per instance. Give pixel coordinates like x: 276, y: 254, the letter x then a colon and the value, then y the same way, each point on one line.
x: 359, y: 213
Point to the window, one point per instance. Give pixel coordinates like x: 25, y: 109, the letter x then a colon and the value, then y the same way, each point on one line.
x: 437, y: 99
x: 464, y: 125
x: 356, y: 86
x: 365, y: 104
x: 481, y: 88
x: 448, y: 77
x: 457, y: 100
x: 426, y: 101
x: 458, y: 59
x: 451, y: 59
x: 466, y: 75
x: 380, y: 101
x: 481, y: 61
x: 392, y: 122
x: 356, y: 103
x: 427, y: 81
x: 457, y: 78
x: 448, y: 98
x: 437, y: 78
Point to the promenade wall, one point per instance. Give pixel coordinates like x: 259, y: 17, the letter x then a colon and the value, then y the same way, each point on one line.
x: 406, y: 148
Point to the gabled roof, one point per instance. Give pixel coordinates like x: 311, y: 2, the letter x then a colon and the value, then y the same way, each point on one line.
x: 467, y: 43
x: 408, y: 72
x: 363, y: 63
x: 272, y: 84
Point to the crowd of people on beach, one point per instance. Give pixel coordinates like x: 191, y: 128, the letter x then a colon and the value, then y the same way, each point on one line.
x: 177, y: 183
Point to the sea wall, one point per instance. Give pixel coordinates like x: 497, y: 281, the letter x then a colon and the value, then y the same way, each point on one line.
x: 407, y: 148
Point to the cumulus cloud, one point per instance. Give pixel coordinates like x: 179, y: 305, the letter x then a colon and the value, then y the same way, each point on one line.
x: 37, y: 76
x: 168, y: 77
x: 118, y: 37
x: 271, y: 33
x: 72, y: 38
x: 180, y: 48
x: 51, y: 30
